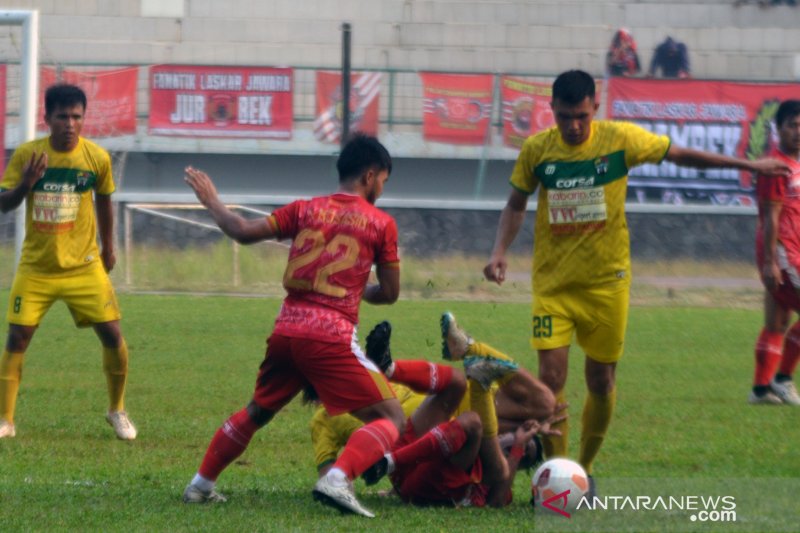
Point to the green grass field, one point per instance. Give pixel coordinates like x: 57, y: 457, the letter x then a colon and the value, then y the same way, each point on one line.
x: 682, y: 425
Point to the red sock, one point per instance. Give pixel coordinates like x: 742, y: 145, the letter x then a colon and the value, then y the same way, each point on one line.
x: 228, y: 443
x: 365, y: 446
x: 444, y: 440
x: 768, y: 356
x: 422, y: 376
x: 791, y: 351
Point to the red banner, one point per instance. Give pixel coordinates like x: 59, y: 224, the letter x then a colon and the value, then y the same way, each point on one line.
x: 365, y: 89
x: 457, y: 107
x: 244, y: 102
x: 734, y: 119
x: 525, y: 109
x: 2, y: 118
x: 110, y: 95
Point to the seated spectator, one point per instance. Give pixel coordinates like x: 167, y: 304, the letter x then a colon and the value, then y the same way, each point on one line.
x: 622, y: 59
x: 672, y: 58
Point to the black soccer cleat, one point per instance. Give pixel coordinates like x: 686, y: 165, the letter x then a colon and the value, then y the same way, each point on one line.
x: 376, y: 472
x: 378, y: 350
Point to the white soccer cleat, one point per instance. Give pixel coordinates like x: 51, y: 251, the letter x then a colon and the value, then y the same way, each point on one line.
x: 7, y: 429
x: 193, y: 494
x: 122, y: 425
x: 486, y: 369
x: 455, y: 341
x: 768, y: 398
x: 340, y: 497
x: 786, y: 391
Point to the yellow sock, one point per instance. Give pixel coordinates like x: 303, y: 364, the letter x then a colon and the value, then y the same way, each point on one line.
x: 596, y: 416
x: 482, y: 402
x: 555, y: 445
x: 115, y: 366
x: 10, y: 376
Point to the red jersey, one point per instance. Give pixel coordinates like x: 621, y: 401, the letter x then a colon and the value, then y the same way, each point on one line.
x: 785, y: 191
x: 336, y: 240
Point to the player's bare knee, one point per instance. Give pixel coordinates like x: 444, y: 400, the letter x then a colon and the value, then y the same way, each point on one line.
x: 458, y: 383
x: 19, y: 337
x: 471, y: 424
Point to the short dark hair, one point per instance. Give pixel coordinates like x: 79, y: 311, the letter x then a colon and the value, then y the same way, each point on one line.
x: 362, y: 153
x: 786, y: 111
x: 63, y: 95
x: 573, y: 87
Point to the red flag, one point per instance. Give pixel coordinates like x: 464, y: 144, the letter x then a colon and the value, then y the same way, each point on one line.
x: 111, y: 95
x: 457, y: 107
x: 365, y: 89
x: 525, y: 109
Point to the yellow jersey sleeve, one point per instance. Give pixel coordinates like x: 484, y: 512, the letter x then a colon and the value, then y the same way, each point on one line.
x: 642, y: 146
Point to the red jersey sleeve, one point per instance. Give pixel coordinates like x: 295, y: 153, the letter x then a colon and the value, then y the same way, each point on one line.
x: 387, y: 254
x: 770, y: 189
x: 285, y: 219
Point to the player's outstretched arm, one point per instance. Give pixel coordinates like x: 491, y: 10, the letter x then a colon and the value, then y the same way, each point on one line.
x: 236, y: 227
x: 387, y: 290
x: 511, y: 220
x: 32, y: 171
x: 686, y: 157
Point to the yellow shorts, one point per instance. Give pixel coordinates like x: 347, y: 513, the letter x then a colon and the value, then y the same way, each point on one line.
x: 597, y: 316
x: 88, y: 294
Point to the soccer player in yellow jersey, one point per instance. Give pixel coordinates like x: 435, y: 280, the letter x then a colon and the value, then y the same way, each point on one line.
x: 58, y: 176
x: 581, y: 261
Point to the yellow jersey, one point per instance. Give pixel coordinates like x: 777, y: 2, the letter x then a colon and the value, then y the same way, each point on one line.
x: 581, y: 236
x: 60, y: 225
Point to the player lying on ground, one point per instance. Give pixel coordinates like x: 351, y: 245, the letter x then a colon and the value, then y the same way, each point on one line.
x: 442, y: 459
x: 520, y: 398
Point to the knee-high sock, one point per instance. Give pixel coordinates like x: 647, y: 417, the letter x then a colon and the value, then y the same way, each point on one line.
x: 229, y: 442
x: 482, y: 402
x: 10, y: 377
x: 115, y: 366
x: 444, y: 440
x: 791, y: 351
x: 366, y: 446
x: 597, y: 413
x: 768, y: 356
x: 556, y: 445
x: 422, y: 376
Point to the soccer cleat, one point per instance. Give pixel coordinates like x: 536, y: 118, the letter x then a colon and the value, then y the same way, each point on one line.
x: 122, y: 425
x: 485, y: 369
x: 768, y: 398
x: 193, y: 494
x: 341, y: 498
x: 376, y: 472
x: 455, y: 341
x: 7, y: 429
x: 378, y: 345
x: 786, y: 391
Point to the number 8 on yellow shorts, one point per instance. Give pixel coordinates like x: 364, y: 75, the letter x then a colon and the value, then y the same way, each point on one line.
x: 596, y: 316
x: 88, y: 294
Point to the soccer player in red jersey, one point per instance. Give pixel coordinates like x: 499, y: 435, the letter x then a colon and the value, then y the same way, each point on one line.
x: 336, y: 239
x: 778, y: 259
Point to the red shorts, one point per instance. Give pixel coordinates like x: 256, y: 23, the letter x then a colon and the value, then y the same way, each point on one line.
x: 342, y: 376
x: 438, y: 481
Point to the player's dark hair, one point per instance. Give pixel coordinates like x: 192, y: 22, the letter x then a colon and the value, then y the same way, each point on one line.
x: 787, y: 111
x: 63, y: 95
x: 362, y: 153
x: 573, y: 87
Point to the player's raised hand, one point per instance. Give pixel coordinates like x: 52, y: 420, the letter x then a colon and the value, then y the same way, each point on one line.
x: 202, y: 185
x: 34, y: 169
x: 495, y: 270
x: 771, y: 167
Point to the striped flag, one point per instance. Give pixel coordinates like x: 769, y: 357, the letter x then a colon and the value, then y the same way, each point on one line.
x: 364, y: 98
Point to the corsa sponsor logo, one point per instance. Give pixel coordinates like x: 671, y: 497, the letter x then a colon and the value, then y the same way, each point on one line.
x: 61, y: 187
x: 572, y: 183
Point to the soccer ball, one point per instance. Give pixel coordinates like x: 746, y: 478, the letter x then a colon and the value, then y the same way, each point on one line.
x: 558, y: 486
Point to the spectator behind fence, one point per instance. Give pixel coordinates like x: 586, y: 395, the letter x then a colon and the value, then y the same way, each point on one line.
x: 622, y: 59
x: 672, y: 57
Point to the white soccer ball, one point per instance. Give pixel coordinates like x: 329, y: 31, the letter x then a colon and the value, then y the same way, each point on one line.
x: 559, y: 485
